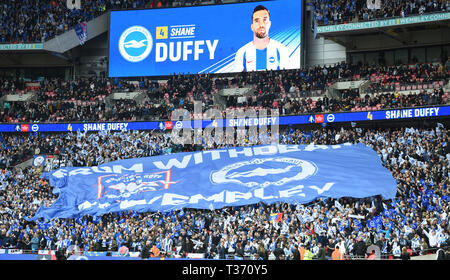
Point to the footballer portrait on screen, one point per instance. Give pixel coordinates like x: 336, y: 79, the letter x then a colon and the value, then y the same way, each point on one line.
x: 262, y: 53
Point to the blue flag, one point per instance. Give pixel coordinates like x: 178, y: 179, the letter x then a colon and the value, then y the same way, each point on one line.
x: 375, y: 222
x: 134, y: 214
x: 39, y: 160
x: 96, y: 219
x: 181, y: 213
x: 387, y: 213
x: 43, y: 226
x: 219, y: 178
x: 357, y: 223
x: 149, y: 223
x: 81, y: 31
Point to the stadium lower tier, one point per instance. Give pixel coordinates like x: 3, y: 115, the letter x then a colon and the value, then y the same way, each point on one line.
x: 410, y: 219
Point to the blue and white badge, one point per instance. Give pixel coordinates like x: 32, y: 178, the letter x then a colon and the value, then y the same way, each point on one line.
x: 135, y: 43
x: 38, y: 160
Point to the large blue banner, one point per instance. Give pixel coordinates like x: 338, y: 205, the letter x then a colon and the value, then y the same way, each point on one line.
x: 205, y: 39
x: 217, y: 178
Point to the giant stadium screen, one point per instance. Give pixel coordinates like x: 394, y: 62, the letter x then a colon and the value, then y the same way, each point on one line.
x: 225, y: 38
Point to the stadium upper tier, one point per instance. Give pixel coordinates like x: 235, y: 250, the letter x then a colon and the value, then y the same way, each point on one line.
x: 292, y: 92
x: 328, y: 12
x: 33, y: 21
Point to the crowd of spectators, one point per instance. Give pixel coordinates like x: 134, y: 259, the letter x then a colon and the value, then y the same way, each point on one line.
x: 35, y: 21
x: 347, y: 11
x: 416, y: 221
x: 299, y: 91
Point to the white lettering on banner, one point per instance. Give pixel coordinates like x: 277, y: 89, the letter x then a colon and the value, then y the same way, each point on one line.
x: 232, y: 197
x: 104, y: 126
x: 161, y: 55
x: 246, y: 151
x: 215, y: 154
x: 86, y: 205
x: 138, y: 167
x: 131, y: 178
x: 298, y: 190
x: 412, y: 113
x: 172, y: 57
x: 117, y: 126
x: 311, y: 147
x: 104, y: 205
x: 426, y: 112
x: 197, y: 49
x: 185, y: 49
x: 198, y: 158
x: 182, y: 31
x: 173, y: 162
x: 215, y: 197
x: 128, y: 185
x: 321, y: 190
x: 383, y: 23
x: 287, y: 149
x: 172, y: 199
x: 252, y: 122
x: 265, y: 150
x: 154, y: 199
x: 60, y: 173
x: 259, y: 193
x: 131, y: 203
x: 396, y: 114
x: 105, y: 169
x: 211, y: 48
x: 80, y: 171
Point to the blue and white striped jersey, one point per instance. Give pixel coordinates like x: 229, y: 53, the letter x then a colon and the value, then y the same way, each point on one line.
x: 274, y: 57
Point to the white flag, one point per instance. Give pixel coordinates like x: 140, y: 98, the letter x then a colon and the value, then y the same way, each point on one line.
x: 338, y: 205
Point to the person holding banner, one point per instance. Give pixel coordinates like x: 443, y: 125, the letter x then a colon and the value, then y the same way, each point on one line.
x: 263, y: 53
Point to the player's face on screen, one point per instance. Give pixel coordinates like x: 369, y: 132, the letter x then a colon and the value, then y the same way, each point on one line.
x: 261, y: 23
